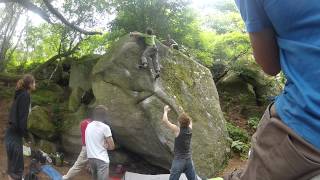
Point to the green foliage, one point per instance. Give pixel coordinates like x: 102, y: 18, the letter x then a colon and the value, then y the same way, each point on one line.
x: 224, y: 22
x: 88, y: 12
x: 227, y: 48
x: 231, y: 47
x: 164, y: 16
x: 240, y: 140
x: 225, y: 6
x: 40, y: 44
x: 46, y: 94
x: 95, y: 44
x: 253, y: 122
x: 236, y: 133
x: 240, y: 147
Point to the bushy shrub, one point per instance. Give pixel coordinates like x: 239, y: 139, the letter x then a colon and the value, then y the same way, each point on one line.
x: 253, y: 122
x: 237, y: 134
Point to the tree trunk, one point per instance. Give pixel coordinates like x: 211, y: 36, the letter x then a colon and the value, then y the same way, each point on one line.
x: 7, y: 31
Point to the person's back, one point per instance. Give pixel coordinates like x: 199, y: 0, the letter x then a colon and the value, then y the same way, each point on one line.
x: 296, y: 24
x: 284, y: 35
x: 96, y: 134
x: 182, y: 144
x: 182, y: 161
x: 98, y: 141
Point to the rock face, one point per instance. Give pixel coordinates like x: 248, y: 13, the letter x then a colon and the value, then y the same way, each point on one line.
x: 135, y: 102
x: 247, y: 91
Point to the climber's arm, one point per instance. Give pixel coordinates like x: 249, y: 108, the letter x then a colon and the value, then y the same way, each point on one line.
x: 135, y: 33
x: 166, y: 121
x: 190, y: 125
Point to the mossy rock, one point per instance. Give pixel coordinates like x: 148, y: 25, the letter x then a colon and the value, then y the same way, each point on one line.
x: 40, y: 124
x: 47, y: 93
x: 246, y: 91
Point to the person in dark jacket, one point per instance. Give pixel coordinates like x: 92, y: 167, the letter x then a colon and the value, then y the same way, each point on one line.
x: 182, y: 161
x: 17, y: 128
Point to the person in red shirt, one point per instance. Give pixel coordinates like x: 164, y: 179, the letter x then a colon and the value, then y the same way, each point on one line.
x: 82, y: 158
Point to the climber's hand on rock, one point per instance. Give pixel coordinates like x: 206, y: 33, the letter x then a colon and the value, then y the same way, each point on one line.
x: 166, y: 108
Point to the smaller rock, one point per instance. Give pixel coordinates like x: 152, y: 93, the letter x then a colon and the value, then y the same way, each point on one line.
x: 39, y: 123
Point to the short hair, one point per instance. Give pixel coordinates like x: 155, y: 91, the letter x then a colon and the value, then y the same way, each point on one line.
x: 100, y: 113
x: 149, y: 31
x: 184, y: 120
x: 25, y: 82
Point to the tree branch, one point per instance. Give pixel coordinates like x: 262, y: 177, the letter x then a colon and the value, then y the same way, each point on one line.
x: 18, y: 41
x: 64, y: 21
x: 55, y: 57
x: 9, y: 78
x: 30, y: 6
x: 44, y: 15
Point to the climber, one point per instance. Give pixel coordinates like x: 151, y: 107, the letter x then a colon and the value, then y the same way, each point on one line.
x: 284, y: 36
x: 171, y: 43
x: 82, y: 158
x: 98, y: 140
x: 17, y: 128
x: 150, y: 52
x: 182, y: 162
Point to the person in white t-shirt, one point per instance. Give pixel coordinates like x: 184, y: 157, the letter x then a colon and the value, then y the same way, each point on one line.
x: 99, y: 140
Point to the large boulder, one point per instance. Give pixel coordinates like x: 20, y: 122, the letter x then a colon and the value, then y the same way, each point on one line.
x: 135, y: 102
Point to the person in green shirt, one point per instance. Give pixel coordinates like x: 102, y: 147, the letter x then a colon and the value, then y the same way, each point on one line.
x: 151, y: 50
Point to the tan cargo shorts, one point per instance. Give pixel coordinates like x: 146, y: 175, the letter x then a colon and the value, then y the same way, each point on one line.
x: 278, y: 153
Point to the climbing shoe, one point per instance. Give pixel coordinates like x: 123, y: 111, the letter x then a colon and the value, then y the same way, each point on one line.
x: 143, y: 65
x: 157, y: 75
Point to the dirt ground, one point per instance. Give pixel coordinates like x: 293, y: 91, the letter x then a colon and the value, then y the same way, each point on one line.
x: 234, y: 163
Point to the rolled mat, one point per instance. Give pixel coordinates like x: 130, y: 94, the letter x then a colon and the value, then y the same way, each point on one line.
x: 51, y: 172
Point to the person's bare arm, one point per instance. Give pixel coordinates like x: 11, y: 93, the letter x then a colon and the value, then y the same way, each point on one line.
x: 190, y: 125
x: 266, y: 51
x: 135, y: 33
x: 173, y: 43
x: 110, y: 143
x: 166, y: 121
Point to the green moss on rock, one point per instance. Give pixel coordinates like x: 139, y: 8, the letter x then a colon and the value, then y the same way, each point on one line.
x: 47, y: 94
x: 40, y: 124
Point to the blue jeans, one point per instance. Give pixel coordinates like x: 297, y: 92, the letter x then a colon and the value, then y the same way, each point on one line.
x: 180, y: 166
